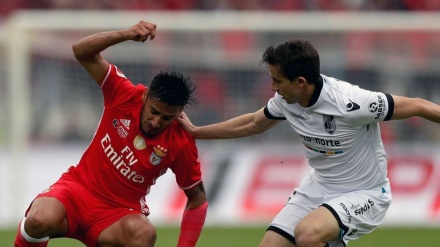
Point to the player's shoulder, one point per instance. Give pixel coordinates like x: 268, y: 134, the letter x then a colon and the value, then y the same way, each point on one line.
x: 336, y: 89
x: 179, y: 135
x: 336, y: 97
x: 338, y: 86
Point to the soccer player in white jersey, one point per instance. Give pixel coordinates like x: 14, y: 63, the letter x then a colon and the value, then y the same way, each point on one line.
x: 347, y: 193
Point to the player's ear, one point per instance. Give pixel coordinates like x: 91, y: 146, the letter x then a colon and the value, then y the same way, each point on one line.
x: 301, y: 81
x: 145, y: 95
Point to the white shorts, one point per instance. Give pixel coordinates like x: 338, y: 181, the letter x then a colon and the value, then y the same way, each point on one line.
x: 358, y: 212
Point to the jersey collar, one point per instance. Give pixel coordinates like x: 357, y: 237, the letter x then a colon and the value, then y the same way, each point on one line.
x: 317, y: 92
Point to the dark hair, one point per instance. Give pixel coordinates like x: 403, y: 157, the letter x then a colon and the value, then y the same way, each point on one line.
x: 172, y: 88
x: 296, y: 57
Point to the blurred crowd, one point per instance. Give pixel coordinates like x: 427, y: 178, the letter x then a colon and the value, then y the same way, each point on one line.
x: 8, y: 6
x: 410, y: 66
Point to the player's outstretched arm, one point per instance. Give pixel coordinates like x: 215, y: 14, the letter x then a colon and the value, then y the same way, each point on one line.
x: 193, y: 217
x: 88, y: 49
x: 241, y: 126
x: 405, y: 107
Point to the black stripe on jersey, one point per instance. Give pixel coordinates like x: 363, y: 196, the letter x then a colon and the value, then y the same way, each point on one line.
x: 282, y: 233
x: 390, y: 107
x: 269, y: 116
x: 318, y: 88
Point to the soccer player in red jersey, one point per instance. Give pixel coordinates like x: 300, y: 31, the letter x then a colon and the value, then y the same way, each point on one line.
x: 102, y: 200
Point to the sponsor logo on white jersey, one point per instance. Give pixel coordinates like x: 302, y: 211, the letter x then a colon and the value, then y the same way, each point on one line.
x: 380, y: 108
x: 352, y: 106
x: 329, y: 123
x: 373, y: 107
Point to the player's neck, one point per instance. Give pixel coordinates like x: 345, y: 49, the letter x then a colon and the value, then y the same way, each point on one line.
x: 308, y: 93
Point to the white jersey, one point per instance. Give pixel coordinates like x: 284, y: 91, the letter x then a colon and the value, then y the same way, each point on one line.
x: 340, y: 134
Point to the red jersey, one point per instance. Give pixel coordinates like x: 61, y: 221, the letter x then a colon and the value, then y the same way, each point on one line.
x: 121, y: 163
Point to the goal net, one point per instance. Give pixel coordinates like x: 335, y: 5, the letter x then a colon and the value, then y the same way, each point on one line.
x: 47, y: 97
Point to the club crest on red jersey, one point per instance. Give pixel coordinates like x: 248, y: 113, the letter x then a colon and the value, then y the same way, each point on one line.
x: 156, y: 156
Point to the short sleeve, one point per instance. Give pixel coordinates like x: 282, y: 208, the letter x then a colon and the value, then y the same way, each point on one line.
x: 186, y: 166
x: 366, y: 107
x: 273, y: 110
x: 115, y: 87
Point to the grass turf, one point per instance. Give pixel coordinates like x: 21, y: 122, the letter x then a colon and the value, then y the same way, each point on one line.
x: 251, y: 236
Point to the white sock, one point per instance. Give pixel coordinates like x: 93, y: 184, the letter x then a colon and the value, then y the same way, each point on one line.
x: 29, y: 238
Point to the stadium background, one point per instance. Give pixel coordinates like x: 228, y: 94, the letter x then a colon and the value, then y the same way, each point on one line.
x: 49, y: 107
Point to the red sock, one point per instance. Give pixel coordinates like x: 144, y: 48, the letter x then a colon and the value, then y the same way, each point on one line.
x: 20, y: 241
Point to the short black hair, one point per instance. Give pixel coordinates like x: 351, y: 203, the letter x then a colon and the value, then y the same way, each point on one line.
x: 172, y: 88
x: 296, y: 57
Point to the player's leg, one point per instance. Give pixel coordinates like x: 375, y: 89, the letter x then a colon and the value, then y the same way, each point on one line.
x: 281, y: 231
x: 317, y: 228
x: 131, y: 230
x: 303, y: 205
x: 46, y: 217
x: 274, y: 238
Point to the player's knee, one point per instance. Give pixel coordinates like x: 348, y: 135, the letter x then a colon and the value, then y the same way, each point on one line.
x: 46, y: 217
x: 38, y: 225
x: 146, y: 235
x: 140, y: 233
x: 305, y: 236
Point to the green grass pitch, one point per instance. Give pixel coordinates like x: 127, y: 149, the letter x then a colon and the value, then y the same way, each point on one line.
x: 251, y: 236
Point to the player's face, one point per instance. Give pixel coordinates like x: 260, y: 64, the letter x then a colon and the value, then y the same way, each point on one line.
x: 289, y: 90
x: 156, y: 116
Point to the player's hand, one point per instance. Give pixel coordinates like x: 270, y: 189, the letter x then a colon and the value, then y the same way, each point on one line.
x: 186, y: 124
x: 142, y: 31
